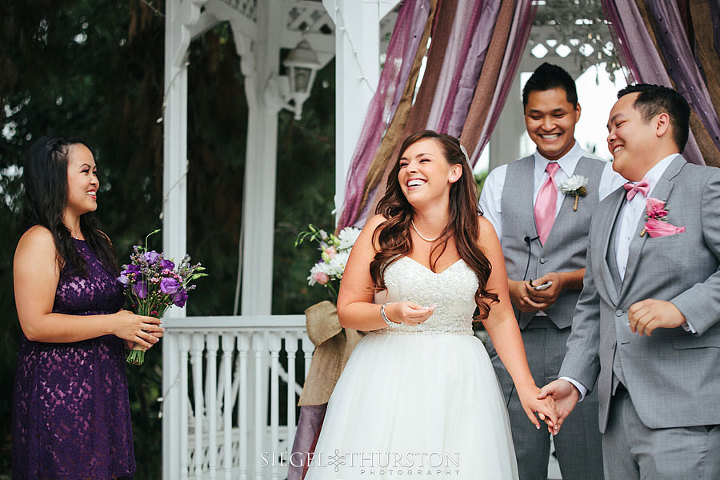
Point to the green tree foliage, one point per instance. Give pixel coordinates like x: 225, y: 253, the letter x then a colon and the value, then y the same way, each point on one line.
x: 95, y: 68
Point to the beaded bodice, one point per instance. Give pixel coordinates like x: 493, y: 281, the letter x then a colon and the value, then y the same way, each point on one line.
x: 451, y: 291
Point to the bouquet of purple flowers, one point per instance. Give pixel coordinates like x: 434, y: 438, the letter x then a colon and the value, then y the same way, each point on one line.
x: 153, y: 283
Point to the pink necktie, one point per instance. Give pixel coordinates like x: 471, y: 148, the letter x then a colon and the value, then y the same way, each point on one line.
x: 546, y: 203
x: 633, y: 188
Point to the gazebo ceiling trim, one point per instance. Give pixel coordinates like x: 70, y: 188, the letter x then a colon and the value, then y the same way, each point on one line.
x: 577, y: 28
x: 306, y: 20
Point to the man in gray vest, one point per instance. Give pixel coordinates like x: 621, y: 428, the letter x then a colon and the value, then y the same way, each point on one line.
x: 541, y: 207
x: 647, y: 326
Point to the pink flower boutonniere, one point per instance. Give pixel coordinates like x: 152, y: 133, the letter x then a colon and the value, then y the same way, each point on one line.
x: 656, y: 224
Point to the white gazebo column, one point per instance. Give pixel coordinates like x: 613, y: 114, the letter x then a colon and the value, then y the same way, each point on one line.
x: 505, y: 139
x: 261, y: 163
x: 357, y: 71
x: 179, y: 18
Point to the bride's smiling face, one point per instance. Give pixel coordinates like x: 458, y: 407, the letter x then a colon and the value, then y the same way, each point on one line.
x: 425, y: 173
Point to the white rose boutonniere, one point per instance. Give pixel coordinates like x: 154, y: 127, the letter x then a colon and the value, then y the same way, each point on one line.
x: 576, y: 186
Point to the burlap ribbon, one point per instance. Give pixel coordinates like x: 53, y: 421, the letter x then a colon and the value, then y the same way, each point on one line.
x: 333, y: 346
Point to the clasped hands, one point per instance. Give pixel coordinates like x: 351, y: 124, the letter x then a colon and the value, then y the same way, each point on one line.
x: 527, y: 299
x: 534, y: 402
x: 565, y: 396
x: 643, y: 318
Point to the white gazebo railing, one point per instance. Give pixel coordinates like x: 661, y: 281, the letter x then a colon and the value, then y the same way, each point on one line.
x: 223, y: 415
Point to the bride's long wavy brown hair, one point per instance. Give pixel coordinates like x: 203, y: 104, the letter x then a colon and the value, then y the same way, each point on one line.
x: 393, y: 235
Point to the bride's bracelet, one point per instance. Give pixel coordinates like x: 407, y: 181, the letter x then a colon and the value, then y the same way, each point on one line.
x: 385, y: 317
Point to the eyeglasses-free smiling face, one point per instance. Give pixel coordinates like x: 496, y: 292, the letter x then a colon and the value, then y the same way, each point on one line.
x: 425, y: 174
x: 82, y: 180
x: 630, y: 139
x: 550, y: 122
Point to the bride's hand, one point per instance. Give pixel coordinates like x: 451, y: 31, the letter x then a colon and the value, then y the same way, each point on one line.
x: 408, y: 313
x: 545, y: 410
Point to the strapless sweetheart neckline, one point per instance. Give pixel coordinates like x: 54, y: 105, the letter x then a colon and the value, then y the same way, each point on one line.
x: 429, y: 270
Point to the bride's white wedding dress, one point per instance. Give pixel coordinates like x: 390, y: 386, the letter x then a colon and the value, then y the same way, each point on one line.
x: 419, y: 401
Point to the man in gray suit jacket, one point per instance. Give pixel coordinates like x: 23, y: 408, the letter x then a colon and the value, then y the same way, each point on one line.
x: 510, y: 201
x: 646, y: 324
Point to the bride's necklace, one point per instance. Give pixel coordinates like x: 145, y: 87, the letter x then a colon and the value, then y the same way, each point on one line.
x: 412, y: 223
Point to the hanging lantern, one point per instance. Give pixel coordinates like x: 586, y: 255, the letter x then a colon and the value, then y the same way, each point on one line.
x: 302, y: 63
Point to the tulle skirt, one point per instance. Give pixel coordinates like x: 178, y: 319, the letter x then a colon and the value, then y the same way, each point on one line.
x: 412, y: 406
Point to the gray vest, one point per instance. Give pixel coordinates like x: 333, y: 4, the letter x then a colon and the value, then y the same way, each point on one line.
x: 525, y: 257
x: 611, y: 259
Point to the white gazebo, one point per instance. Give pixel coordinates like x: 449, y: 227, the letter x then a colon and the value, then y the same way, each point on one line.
x: 222, y: 375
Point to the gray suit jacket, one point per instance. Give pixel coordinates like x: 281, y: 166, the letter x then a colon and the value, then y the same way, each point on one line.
x: 673, y: 376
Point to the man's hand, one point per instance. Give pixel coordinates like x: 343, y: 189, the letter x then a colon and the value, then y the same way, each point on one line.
x: 646, y: 316
x: 520, y: 296
x: 549, y: 295
x: 566, y: 397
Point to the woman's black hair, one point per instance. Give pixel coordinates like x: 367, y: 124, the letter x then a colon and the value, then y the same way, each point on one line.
x: 46, y: 197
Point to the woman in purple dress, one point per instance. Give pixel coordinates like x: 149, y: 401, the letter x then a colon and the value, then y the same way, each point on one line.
x: 71, y: 414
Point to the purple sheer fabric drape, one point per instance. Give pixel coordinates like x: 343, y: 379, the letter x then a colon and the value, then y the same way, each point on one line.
x: 640, y: 55
x: 462, y: 61
x: 306, y: 435
x: 519, y: 33
x: 715, y: 17
x: 399, y: 58
x: 458, y: 104
x: 471, y: 74
x: 469, y: 41
x: 467, y: 12
x: 682, y: 67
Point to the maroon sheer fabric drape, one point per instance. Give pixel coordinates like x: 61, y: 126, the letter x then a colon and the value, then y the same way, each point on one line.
x: 657, y: 47
x: 398, y: 61
x: 474, y: 53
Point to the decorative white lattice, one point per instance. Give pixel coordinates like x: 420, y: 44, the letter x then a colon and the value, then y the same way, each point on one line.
x: 246, y: 7
x: 544, y: 43
x: 573, y: 27
x: 310, y: 17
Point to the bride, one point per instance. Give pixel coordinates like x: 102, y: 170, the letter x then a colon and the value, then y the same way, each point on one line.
x: 418, y: 396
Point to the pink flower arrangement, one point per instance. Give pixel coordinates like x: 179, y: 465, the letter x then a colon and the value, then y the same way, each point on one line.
x: 655, y: 209
x: 321, y: 277
x: 656, y: 224
x: 334, y: 253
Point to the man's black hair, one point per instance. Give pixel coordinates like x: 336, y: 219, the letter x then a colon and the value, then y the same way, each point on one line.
x: 655, y: 99
x: 548, y: 76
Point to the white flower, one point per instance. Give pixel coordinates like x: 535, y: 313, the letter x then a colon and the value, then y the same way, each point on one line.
x: 347, y: 237
x: 574, y: 185
x: 320, y: 267
x: 336, y: 267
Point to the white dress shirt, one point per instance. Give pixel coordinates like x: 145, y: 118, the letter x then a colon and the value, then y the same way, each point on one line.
x: 632, y: 211
x: 491, y: 196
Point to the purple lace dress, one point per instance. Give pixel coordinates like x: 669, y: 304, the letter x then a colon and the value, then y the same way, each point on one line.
x: 71, y: 414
